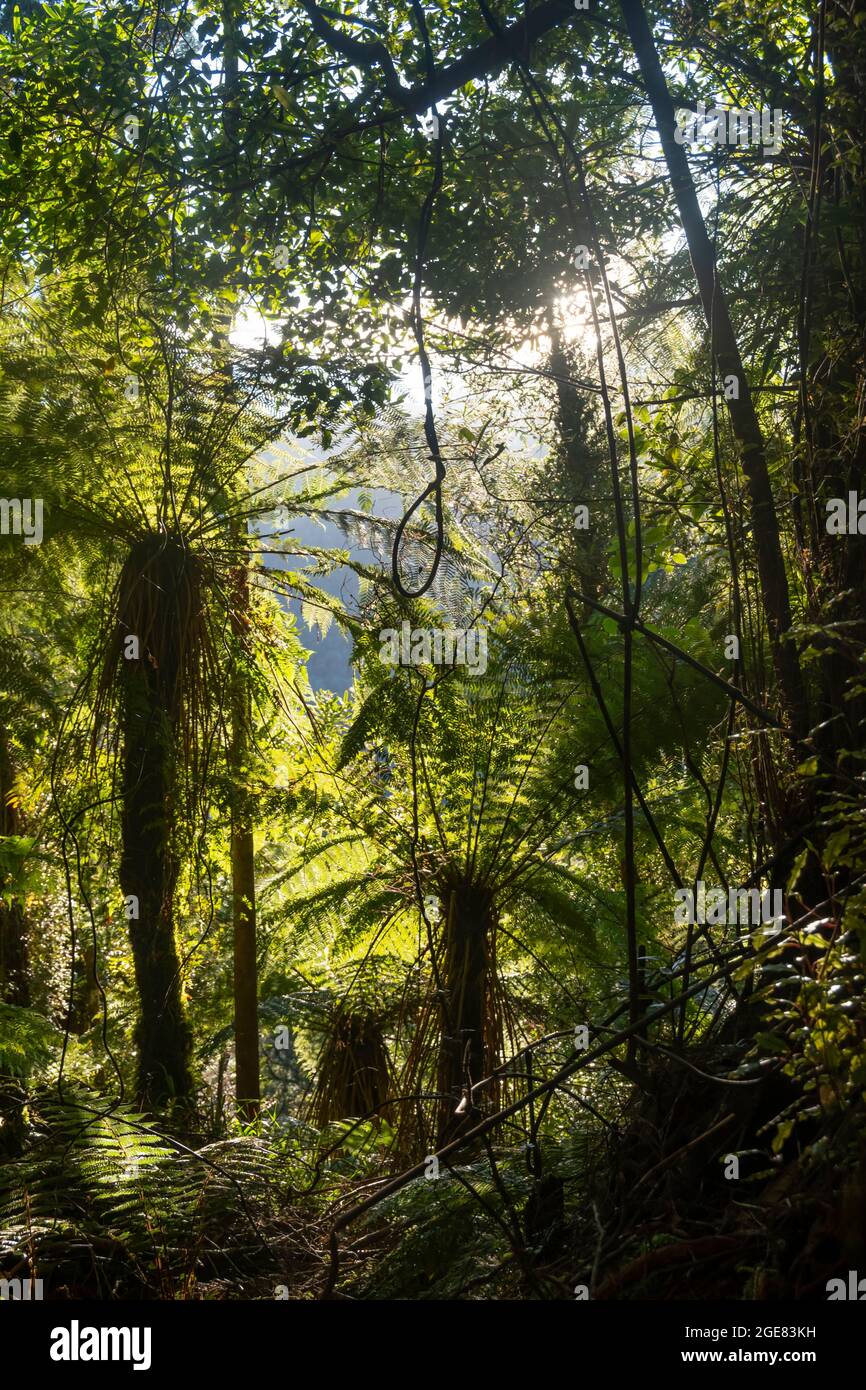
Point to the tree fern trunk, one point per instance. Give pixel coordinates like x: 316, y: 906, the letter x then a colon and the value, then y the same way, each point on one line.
x: 465, y: 1052
x: 154, y: 604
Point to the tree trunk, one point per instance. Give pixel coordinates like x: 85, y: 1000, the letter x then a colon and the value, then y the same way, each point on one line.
x: 587, y: 548
x: 154, y: 608
x: 834, y: 383
x: 466, y: 1049
x: 14, y: 954
x: 744, y: 420
x: 247, y: 1069
x: 247, y: 1080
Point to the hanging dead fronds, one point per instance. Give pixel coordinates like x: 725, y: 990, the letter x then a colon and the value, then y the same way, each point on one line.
x: 354, y: 1072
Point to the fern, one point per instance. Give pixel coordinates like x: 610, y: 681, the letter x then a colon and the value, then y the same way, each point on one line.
x: 28, y: 1042
x: 100, y: 1194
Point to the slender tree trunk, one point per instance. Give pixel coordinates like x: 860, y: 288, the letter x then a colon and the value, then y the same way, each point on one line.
x: 247, y: 1067
x: 247, y: 1080
x: 14, y: 966
x: 834, y: 351
x: 744, y: 420
x: 14, y: 954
